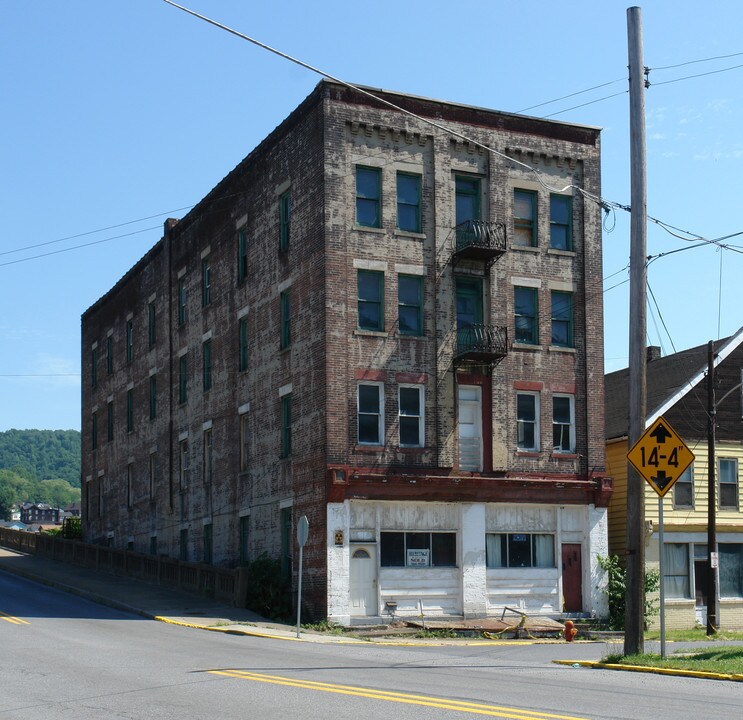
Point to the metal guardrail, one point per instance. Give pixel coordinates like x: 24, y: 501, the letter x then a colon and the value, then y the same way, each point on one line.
x: 481, y: 339
x: 220, y: 583
x: 481, y: 235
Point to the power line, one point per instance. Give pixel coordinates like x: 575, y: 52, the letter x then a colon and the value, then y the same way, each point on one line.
x: 692, y: 62
x: 77, y: 247
x: 565, y: 97
x: 93, y: 232
x: 689, y: 77
x: 592, y: 102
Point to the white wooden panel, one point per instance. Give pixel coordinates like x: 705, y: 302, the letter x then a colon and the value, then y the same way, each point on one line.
x: 520, y: 518
x: 437, y: 588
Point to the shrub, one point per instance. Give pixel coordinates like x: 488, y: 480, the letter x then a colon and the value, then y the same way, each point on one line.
x: 268, y: 592
x: 616, y: 589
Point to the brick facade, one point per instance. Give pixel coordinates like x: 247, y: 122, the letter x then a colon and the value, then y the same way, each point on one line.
x: 313, y: 156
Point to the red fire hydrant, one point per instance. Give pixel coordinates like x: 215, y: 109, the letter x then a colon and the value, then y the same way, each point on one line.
x: 570, y: 631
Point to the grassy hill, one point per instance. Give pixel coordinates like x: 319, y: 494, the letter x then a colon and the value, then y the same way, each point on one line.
x: 39, y: 466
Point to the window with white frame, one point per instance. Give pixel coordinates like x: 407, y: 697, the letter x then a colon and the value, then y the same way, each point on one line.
x: 520, y: 550
x: 727, y: 474
x: 527, y: 413
x: 418, y: 549
x: 731, y: 570
x: 563, y: 423
x: 411, y: 415
x: 370, y: 407
x: 683, y: 490
x: 676, y: 570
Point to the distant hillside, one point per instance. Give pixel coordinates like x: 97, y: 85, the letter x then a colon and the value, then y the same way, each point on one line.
x: 42, y: 454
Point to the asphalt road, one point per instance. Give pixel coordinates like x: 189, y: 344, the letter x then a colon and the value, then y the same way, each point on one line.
x: 64, y: 657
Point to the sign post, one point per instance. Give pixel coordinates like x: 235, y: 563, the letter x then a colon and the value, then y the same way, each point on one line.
x: 303, y: 531
x: 661, y: 457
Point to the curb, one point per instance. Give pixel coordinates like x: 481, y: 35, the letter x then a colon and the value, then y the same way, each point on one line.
x: 701, y: 674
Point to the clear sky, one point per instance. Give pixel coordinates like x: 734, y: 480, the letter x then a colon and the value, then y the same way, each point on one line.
x: 113, y: 112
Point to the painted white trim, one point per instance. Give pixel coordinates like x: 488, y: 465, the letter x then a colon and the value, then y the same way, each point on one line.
x: 207, y: 425
x: 206, y: 251
x: 526, y: 282
x: 379, y: 265
x: 241, y: 222
x: 284, y: 284
x: 242, y: 312
x: 404, y: 269
x: 285, y: 389
x: 288, y: 502
x: 243, y: 409
x: 183, y: 436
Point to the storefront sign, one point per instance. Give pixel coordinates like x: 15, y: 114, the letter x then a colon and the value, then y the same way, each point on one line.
x: 418, y: 558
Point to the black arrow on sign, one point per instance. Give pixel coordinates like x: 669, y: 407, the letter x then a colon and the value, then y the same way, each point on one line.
x: 662, y: 480
x: 660, y: 434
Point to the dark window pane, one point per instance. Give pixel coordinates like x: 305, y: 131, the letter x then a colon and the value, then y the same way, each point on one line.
x: 409, y: 431
x: 392, y: 549
x: 444, y: 549
x: 369, y: 398
x: 519, y: 550
x: 410, y: 401
x: 369, y: 429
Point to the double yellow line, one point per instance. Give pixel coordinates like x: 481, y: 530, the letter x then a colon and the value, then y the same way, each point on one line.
x: 12, y: 619
x: 407, y: 698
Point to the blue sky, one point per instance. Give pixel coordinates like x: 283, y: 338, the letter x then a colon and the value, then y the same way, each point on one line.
x: 118, y: 111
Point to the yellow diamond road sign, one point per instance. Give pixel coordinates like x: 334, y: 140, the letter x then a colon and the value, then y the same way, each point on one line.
x: 660, y: 456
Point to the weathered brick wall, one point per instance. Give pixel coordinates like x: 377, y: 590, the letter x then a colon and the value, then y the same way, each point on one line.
x: 313, y: 155
x: 385, y: 139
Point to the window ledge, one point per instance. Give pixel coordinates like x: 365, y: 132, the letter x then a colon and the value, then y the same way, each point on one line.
x: 369, y: 448
x: 371, y: 333
x: 528, y: 347
x: 367, y: 228
x: 561, y: 349
x: 408, y: 336
x: 528, y: 453
x: 409, y: 234
x: 526, y: 248
x: 563, y: 253
x: 564, y: 456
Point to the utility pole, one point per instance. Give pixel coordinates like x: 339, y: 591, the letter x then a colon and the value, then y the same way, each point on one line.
x: 712, y: 595
x: 634, y: 625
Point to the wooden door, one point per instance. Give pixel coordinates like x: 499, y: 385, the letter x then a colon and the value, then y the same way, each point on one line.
x: 572, y: 578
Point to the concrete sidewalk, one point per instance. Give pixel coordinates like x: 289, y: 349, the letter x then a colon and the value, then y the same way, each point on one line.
x: 152, y: 601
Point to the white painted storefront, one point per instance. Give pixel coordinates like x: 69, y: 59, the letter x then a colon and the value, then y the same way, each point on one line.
x: 463, y: 559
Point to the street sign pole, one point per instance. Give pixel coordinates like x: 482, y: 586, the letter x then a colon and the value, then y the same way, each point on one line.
x: 303, y: 531
x: 661, y: 457
x: 662, y: 582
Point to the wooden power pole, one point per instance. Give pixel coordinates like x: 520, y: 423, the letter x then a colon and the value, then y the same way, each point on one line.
x: 634, y: 641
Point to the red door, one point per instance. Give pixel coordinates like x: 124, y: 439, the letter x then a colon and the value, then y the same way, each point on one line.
x: 572, y: 578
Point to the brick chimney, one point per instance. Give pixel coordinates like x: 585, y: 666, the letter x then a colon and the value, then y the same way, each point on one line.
x: 653, y: 353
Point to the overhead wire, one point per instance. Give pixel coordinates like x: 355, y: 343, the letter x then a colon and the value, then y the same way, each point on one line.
x: 565, y: 97
x: 690, y: 77
x: 692, y: 62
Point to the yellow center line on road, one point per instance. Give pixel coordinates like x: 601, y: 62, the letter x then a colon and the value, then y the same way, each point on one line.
x: 407, y: 698
x: 13, y: 619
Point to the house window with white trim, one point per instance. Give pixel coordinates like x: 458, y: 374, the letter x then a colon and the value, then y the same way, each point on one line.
x: 411, y: 415
x: 563, y: 423
x: 727, y: 474
x: 683, y: 490
x: 519, y: 550
x: 370, y: 407
x: 527, y: 413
